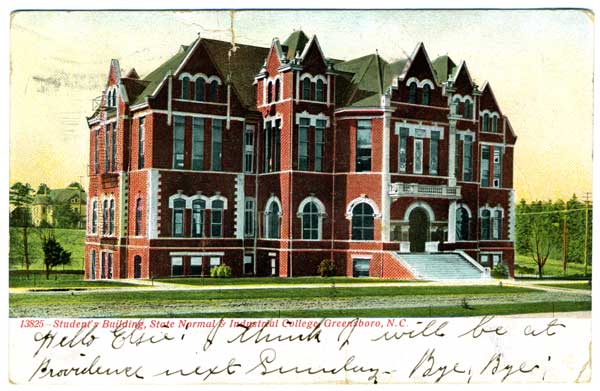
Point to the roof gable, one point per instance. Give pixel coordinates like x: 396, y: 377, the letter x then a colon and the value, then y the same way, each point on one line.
x: 462, y: 78
x: 488, y: 99
x: 419, y: 65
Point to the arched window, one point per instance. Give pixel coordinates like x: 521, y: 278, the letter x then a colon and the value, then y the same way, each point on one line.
x: 92, y: 267
x: 311, y: 217
x: 114, y: 98
x: 272, y: 220
x: 485, y: 224
x: 213, y: 92
x: 216, y: 219
x: 497, y: 225
x: 468, y: 113
x: 198, y: 207
x: 185, y: 88
x: 426, y: 94
x: 105, y: 217
x: 412, y: 92
x: 495, y: 124
x: 138, y: 217
x: 178, y: 212
x: 270, y: 92
x: 306, y: 88
x: 456, y: 102
x: 320, y: 91
x: 462, y: 224
x: 486, y: 119
x: 200, y: 86
x: 277, y: 90
x: 112, y: 217
x: 363, y: 222
x: 94, y: 216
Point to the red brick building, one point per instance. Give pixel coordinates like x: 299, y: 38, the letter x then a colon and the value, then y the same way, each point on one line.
x: 272, y: 159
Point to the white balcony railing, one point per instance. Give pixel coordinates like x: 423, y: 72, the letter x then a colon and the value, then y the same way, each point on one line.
x: 417, y: 189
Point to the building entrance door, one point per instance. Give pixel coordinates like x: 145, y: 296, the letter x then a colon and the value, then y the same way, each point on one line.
x: 137, y: 267
x: 419, y: 230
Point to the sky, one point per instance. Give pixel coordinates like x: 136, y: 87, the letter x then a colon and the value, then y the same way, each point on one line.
x: 538, y: 62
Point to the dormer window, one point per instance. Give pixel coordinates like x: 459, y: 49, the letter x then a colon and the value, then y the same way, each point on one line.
x: 319, y: 91
x: 486, y: 119
x: 468, y: 113
x: 306, y: 88
x: 412, y: 92
x: 185, y: 88
x: 426, y: 95
x: 200, y: 82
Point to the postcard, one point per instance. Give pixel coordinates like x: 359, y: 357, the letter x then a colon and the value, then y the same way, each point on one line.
x: 300, y: 197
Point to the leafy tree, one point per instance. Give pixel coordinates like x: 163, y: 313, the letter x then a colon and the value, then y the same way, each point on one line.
x: 43, y: 189
x: 20, y: 198
x: 540, y: 243
x: 54, y: 253
x: 65, y: 216
x: 326, y: 268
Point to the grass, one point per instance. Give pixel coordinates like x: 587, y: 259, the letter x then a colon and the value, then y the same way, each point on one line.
x: 477, y: 310
x: 37, y: 279
x: 72, y: 240
x: 582, y: 286
x: 552, y: 268
x: 171, y: 297
x: 201, y: 281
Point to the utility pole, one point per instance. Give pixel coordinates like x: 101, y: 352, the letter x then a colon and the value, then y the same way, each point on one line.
x: 564, y: 252
x: 587, y: 196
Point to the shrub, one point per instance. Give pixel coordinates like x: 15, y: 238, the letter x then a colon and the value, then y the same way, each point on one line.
x: 326, y: 268
x: 221, y: 271
x: 500, y: 271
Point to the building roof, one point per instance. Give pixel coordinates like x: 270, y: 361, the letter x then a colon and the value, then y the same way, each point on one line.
x: 59, y: 196
x: 443, y: 67
x: 295, y: 43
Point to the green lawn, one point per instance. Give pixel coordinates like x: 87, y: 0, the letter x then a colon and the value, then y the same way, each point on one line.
x: 72, y: 240
x: 199, y: 281
x: 37, y: 279
x: 553, y: 267
x: 582, y: 286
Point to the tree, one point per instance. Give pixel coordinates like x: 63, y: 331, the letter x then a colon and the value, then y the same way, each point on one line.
x: 76, y: 185
x: 541, y: 242
x: 21, y: 198
x: 43, y: 189
x: 65, y: 216
x: 54, y: 253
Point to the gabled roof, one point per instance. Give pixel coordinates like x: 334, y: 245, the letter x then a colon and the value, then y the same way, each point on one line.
x: 295, y: 43
x: 59, y: 196
x: 443, y: 68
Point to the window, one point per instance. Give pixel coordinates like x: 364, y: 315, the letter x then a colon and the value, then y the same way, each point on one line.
x: 495, y: 124
x: 216, y: 219
x: 138, y: 217
x: 486, y: 122
x: 178, y: 141
x: 270, y: 92
x: 485, y: 224
x: 497, y: 167
x: 418, y: 157
x: 360, y: 267
x: 105, y: 217
x: 468, y: 159
x: 197, y: 143
x: 497, y: 225
x: 96, y: 148
x: 200, y: 86
x: 276, y: 144
x: 433, y: 153
x: 485, y: 165
x: 306, y: 88
x: 319, y: 91
x: 303, y: 144
x: 215, y: 261
x: 249, y: 148
x: 362, y: 222
x: 176, y: 266
x: 277, y: 90
x: 92, y: 268
x: 363, y: 146
x: 94, y: 216
x: 112, y: 218
x: 196, y: 266
x: 272, y: 221
x: 106, y: 147
x: 468, y: 113
x: 249, y: 218
x: 198, y: 207
x: 426, y: 94
x: 178, y: 212
x: 185, y: 88
x: 412, y: 92
x: 113, y: 149
x: 248, y: 264
x: 456, y: 104
x: 484, y: 260
x: 462, y: 224
x: 267, y: 148
x: 319, y: 144
x: 402, y: 142
x: 217, y: 131
x: 141, y: 139
x: 109, y: 266
x: 311, y: 222
x: 213, y: 91
x: 103, y: 265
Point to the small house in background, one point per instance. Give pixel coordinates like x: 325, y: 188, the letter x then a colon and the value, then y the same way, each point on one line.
x: 46, y: 207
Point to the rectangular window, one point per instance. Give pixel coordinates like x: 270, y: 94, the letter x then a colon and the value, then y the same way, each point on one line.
x: 216, y: 223
x: 319, y: 144
x: 303, y: 144
x: 248, y: 265
x: 178, y: 141
x: 215, y: 261
x: 363, y: 146
x: 112, y: 217
x: 196, y: 266
x: 485, y: 165
x: 360, y: 267
x: 249, y: 218
x: 248, y: 148
x: 106, y: 147
x: 484, y: 260
x: 103, y: 265
x: 402, y: 143
x: 433, y: 153
x: 96, y: 148
x: 109, y: 266
x: 273, y: 266
x: 176, y: 266
x: 497, y: 167
x: 113, y: 149
x: 267, y: 147
x: 468, y: 159
x: 94, y: 216
x: 197, y: 143
x: 93, y: 265
x: 141, y: 140
x: 418, y: 157
x: 276, y: 145
x: 178, y: 222
x: 217, y: 133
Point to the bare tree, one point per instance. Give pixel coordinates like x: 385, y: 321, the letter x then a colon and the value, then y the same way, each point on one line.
x: 540, y: 243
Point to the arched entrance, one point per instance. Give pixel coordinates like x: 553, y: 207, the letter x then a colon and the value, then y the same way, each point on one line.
x: 137, y: 267
x: 419, y: 230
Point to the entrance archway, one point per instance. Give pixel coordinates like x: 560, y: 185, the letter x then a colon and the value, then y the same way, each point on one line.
x: 418, y: 233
